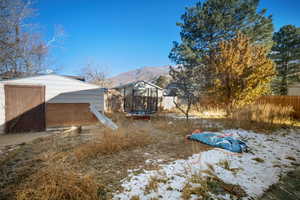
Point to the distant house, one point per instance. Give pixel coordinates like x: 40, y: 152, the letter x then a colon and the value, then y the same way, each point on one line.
x: 171, y: 89
x: 39, y: 102
x: 144, y: 97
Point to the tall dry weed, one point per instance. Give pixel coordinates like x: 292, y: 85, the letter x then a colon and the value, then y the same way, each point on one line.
x: 176, y: 126
x: 57, y: 183
x: 266, y: 113
x: 109, y: 142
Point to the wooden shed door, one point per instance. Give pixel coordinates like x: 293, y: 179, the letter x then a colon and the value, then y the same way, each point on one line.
x: 25, y: 108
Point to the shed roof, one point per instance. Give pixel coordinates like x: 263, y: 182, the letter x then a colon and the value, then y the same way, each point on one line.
x: 73, y: 78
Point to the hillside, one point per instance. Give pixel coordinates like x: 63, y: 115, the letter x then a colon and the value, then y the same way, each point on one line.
x: 144, y: 73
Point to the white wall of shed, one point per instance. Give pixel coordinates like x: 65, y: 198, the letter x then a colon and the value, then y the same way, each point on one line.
x: 2, y: 108
x: 58, y: 89
x: 92, y: 96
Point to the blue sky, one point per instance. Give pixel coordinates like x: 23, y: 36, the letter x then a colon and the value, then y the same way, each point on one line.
x: 122, y: 35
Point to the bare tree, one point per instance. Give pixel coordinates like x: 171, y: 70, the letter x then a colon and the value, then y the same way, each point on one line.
x: 186, y: 89
x: 95, y: 74
x: 22, y: 50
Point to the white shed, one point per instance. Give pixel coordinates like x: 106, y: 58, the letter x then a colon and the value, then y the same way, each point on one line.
x: 145, y: 97
x: 63, y: 100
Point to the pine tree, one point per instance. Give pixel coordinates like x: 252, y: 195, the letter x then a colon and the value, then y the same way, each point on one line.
x: 286, y: 54
x: 241, y: 71
x: 204, y: 25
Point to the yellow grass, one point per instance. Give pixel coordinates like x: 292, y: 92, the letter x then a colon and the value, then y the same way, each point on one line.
x: 266, y: 113
x: 53, y: 183
x: 203, y: 111
x: 176, y: 126
x: 109, y: 142
x: 202, y: 186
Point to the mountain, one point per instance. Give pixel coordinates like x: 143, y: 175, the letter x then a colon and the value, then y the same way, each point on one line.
x: 144, y: 73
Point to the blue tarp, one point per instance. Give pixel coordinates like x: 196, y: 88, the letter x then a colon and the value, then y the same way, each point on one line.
x: 217, y: 140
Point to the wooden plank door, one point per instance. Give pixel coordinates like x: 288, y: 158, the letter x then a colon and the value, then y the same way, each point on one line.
x: 24, y: 108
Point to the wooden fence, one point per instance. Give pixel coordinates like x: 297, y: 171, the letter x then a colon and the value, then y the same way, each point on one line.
x: 293, y: 101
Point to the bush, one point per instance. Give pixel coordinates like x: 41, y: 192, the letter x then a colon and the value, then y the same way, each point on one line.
x: 54, y: 183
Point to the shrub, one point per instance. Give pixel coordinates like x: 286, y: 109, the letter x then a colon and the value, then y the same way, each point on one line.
x: 54, y: 183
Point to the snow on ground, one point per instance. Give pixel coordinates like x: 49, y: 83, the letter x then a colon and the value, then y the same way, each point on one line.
x: 254, y: 176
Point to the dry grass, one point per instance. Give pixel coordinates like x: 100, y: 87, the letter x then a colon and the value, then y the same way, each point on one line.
x: 205, y: 183
x: 114, y: 141
x: 53, y: 183
x: 113, y: 152
x: 176, y: 126
x: 260, y: 160
x: 265, y: 118
x: 291, y: 158
x: 135, y: 198
x: 198, y: 184
x: 209, y: 111
x: 154, y: 182
x: 120, y: 119
x: 204, y: 186
x: 203, y: 111
x: 225, y: 164
x: 266, y: 113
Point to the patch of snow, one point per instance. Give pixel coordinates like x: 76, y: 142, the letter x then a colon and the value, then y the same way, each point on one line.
x: 254, y: 177
x: 151, y: 161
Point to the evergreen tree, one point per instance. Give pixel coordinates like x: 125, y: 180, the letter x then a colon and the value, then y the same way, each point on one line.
x: 204, y: 25
x: 286, y: 54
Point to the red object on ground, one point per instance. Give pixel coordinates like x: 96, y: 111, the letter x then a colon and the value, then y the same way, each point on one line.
x: 197, y: 131
x: 194, y: 132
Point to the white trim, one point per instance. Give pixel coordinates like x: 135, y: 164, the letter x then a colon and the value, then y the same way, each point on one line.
x: 11, y: 80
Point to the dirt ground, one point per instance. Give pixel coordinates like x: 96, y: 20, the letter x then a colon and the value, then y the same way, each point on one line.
x: 14, y: 139
x: 41, y: 150
x: 168, y: 144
